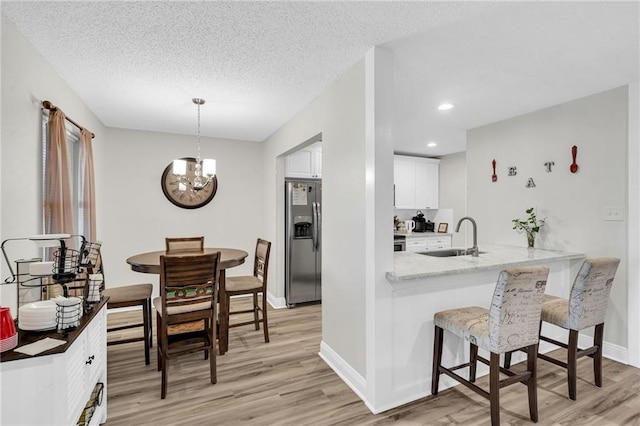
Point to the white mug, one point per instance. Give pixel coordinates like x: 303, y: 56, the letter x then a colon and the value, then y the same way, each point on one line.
x: 410, y: 225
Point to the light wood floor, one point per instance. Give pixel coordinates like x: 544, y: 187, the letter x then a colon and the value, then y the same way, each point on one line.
x: 285, y: 382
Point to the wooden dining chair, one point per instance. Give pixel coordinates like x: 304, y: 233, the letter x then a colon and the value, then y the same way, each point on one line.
x: 585, y: 308
x: 511, y: 323
x: 188, y: 294
x: 177, y: 245
x: 129, y: 296
x: 252, y: 285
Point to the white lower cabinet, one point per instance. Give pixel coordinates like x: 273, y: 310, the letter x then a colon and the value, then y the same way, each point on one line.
x: 54, y: 389
x: 429, y: 242
x: 416, y: 244
x: 439, y: 242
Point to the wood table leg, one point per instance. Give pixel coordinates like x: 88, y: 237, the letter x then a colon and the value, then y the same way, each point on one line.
x: 223, y: 315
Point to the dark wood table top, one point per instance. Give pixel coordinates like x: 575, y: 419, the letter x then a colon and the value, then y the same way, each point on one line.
x: 150, y: 262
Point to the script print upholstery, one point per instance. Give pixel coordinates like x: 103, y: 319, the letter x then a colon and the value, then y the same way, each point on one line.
x: 589, y: 297
x: 513, y: 319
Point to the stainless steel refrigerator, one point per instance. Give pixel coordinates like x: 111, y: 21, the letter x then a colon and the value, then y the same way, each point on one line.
x: 303, y: 243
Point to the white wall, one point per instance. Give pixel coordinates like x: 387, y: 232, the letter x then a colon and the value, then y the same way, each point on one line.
x: 135, y: 216
x: 132, y: 212
x: 339, y: 115
x: 633, y: 277
x: 27, y: 80
x: 453, y: 193
x: 574, y: 204
x: 379, y: 235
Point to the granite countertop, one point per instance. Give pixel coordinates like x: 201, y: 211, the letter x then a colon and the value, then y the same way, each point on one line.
x: 413, y: 266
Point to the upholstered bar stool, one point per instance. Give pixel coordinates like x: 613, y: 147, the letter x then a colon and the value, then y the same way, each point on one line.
x: 511, y: 323
x: 132, y: 296
x: 586, y: 307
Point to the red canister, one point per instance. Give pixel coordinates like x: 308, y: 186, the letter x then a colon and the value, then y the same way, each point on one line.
x: 8, y: 334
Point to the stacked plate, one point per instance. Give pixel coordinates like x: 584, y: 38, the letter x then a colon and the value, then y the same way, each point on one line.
x: 37, y: 316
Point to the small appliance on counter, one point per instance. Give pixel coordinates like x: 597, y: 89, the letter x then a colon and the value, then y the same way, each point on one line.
x: 421, y: 224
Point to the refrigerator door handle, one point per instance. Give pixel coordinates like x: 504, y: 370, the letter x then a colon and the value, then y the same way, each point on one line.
x: 313, y: 225
x: 316, y: 225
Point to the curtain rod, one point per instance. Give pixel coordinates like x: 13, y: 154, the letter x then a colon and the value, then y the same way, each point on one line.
x: 51, y: 107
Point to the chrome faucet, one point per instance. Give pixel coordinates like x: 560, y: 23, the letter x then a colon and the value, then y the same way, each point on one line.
x: 474, y: 249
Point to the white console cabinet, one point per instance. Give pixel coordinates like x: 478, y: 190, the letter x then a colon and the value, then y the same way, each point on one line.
x: 54, y: 389
x: 415, y: 182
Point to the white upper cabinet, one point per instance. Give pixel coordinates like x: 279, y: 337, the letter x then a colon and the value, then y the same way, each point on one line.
x: 416, y: 182
x: 305, y: 163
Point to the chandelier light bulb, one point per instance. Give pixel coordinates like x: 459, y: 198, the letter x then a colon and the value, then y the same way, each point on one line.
x: 179, y: 167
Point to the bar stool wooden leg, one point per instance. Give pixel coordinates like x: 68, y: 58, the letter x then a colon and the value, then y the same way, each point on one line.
x: 437, y: 359
x: 473, y: 362
x: 507, y: 360
x: 572, y: 363
x: 532, y: 383
x: 598, y: 337
x: 494, y: 388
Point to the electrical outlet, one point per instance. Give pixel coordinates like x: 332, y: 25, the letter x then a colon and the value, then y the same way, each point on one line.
x: 614, y: 213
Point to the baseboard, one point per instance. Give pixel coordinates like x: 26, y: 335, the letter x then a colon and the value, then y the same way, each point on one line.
x: 358, y: 384
x: 276, y: 302
x: 609, y: 350
x: 351, y: 377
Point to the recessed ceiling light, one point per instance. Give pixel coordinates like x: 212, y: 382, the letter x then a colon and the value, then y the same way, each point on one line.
x: 444, y: 107
x: 432, y: 144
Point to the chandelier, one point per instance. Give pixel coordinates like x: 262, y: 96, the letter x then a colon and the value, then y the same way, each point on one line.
x: 205, y: 169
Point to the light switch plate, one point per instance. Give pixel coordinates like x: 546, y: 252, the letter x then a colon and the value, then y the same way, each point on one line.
x: 613, y: 213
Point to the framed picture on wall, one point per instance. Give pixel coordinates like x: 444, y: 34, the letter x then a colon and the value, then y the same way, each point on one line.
x: 442, y: 227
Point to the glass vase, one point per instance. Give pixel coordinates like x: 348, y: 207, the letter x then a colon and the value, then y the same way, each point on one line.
x: 531, y: 238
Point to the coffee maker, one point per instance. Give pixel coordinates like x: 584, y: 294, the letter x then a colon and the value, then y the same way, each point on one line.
x: 423, y: 225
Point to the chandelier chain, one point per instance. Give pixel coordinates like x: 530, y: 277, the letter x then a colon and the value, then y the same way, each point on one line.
x: 198, y: 148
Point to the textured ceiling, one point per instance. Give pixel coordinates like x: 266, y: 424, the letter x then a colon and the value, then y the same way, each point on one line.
x: 520, y: 58
x: 137, y: 65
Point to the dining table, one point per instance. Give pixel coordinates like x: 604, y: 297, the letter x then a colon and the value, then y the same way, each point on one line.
x: 149, y: 263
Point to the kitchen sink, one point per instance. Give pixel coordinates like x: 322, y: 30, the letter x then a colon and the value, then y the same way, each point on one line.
x: 449, y: 252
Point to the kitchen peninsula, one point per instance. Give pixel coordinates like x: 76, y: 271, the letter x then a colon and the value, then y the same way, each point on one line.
x: 422, y: 285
